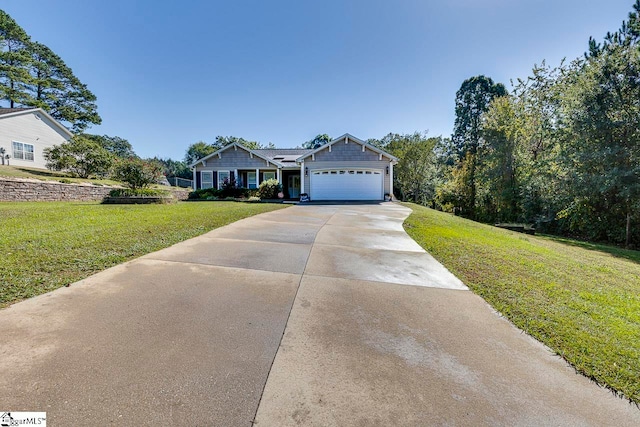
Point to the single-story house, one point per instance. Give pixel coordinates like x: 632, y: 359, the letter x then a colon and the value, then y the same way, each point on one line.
x: 346, y: 168
x: 26, y: 132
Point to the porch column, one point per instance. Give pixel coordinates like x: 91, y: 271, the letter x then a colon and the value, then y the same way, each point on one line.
x: 235, y: 177
x: 195, y: 182
x: 391, y: 182
x: 302, y: 177
x: 278, y: 175
x: 257, y: 178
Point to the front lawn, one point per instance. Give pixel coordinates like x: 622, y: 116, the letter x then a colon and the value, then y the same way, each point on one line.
x: 46, y: 245
x: 582, y: 300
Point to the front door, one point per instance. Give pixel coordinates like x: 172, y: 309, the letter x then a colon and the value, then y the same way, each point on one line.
x: 293, y: 186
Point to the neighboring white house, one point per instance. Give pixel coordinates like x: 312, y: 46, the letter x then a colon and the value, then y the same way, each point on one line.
x: 26, y: 132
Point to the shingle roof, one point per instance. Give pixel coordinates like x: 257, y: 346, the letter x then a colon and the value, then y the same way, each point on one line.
x: 13, y: 110
x: 276, y: 152
x: 284, y: 156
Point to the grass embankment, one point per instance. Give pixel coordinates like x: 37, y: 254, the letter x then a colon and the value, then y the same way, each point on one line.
x: 46, y: 245
x: 47, y: 175
x: 582, y: 300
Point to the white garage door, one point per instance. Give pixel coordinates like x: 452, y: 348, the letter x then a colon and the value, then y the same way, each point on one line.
x: 346, y: 184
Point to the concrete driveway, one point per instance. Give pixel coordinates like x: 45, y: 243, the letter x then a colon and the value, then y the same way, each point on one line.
x: 376, y: 332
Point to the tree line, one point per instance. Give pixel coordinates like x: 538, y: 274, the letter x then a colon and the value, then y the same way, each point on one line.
x: 561, y: 150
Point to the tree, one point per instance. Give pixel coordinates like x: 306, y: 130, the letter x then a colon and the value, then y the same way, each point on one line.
x: 500, y: 168
x: 318, y: 141
x: 14, y: 61
x: 472, y: 101
x: 197, y: 151
x: 58, y: 91
x: 136, y: 173
x: 602, y: 106
x: 172, y: 168
x: 415, y: 174
x: 32, y: 75
x: 117, y: 146
x: 80, y: 156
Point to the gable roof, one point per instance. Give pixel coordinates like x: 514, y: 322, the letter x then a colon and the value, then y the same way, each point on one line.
x: 286, y: 156
x: 351, y: 138
x: 11, y: 112
x: 236, y: 144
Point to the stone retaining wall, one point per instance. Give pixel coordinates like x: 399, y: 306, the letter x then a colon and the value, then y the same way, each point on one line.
x: 28, y: 190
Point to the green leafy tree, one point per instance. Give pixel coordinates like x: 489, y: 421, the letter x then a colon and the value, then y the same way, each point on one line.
x: 174, y: 168
x: 117, y: 146
x: 198, y: 150
x: 500, y: 169
x: 415, y: 175
x: 14, y: 61
x: 472, y: 102
x: 80, y: 156
x: 136, y: 173
x: 318, y: 141
x: 603, y: 116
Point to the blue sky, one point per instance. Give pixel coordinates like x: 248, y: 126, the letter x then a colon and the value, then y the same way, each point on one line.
x: 168, y: 74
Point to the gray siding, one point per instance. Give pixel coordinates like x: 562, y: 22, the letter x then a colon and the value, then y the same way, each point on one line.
x: 345, y: 152
x: 235, y: 159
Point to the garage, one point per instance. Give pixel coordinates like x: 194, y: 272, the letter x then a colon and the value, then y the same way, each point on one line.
x: 347, y: 184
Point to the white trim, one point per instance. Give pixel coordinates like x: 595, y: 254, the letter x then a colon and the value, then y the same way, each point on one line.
x: 23, y: 151
x: 218, y: 180
x: 302, y: 177
x: 202, y: 181
x: 391, y: 180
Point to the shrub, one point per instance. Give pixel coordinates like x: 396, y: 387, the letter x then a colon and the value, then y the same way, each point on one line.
x: 230, y: 189
x: 79, y: 156
x: 269, y: 189
x: 136, y: 173
x: 253, y: 199
x: 138, y: 192
x: 205, y: 194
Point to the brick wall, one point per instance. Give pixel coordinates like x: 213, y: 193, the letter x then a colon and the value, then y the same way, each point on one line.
x: 26, y: 190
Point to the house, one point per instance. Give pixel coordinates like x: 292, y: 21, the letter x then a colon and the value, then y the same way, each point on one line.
x: 346, y: 168
x: 26, y: 132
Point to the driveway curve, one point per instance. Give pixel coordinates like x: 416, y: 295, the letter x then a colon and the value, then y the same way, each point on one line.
x: 312, y: 315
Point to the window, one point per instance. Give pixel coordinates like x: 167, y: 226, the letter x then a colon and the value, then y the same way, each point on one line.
x: 222, y: 177
x: 22, y: 151
x: 206, y: 179
x: 269, y: 175
x: 251, y: 180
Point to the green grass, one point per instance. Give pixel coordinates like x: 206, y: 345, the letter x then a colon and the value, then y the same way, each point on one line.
x: 47, y: 175
x: 580, y: 299
x: 46, y: 245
